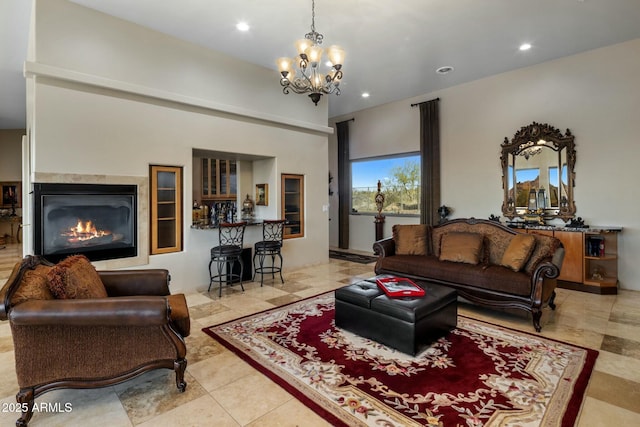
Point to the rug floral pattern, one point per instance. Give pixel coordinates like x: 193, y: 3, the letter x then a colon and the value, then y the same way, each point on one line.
x: 478, y: 375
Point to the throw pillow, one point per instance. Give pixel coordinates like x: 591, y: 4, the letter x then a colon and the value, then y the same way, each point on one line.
x: 34, y: 285
x: 459, y: 246
x: 545, y: 247
x: 411, y: 239
x: 518, y: 251
x: 75, y: 278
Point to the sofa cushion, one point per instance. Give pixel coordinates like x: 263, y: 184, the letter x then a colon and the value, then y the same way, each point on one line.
x: 411, y: 239
x: 75, y: 278
x: 497, y: 239
x: 487, y: 277
x: 461, y: 247
x: 34, y: 285
x: 518, y: 251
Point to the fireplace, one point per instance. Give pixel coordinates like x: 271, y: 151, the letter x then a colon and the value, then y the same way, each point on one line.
x: 95, y: 220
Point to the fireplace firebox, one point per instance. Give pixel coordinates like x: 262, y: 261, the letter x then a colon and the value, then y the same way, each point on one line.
x: 95, y: 220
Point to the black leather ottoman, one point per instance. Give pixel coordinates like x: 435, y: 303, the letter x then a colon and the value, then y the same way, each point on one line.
x: 406, y: 324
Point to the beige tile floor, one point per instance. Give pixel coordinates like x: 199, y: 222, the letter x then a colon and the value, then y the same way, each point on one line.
x: 225, y: 391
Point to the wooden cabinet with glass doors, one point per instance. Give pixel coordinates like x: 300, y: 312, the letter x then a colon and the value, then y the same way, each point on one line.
x: 292, y: 189
x: 166, y: 209
x: 219, y: 179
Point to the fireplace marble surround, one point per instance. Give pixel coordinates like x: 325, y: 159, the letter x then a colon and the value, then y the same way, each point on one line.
x: 142, y: 258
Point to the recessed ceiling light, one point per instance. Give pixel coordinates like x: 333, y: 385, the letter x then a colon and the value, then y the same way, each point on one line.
x: 242, y: 26
x: 444, y: 70
x: 365, y: 94
x: 525, y: 46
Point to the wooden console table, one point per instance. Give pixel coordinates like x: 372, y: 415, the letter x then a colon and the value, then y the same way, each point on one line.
x: 591, y: 257
x: 15, y: 234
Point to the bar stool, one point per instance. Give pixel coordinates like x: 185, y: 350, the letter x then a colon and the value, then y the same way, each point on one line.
x: 270, y: 245
x: 225, y: 255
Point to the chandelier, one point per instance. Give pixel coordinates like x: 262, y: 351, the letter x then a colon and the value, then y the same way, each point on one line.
x: 308, y: 78
x: 531, y: 148
x: 530, y: 152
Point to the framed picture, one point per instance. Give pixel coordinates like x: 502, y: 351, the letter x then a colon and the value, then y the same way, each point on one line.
x: 262, y: 194
x: 11, y: 194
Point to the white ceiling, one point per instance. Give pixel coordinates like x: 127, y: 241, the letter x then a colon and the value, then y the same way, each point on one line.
x: 393, y: 47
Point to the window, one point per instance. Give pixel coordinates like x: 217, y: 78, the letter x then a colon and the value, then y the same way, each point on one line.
x: 526, y: 180
x: 400, y: 182
x: 555, y: 183
x: 532, y: 178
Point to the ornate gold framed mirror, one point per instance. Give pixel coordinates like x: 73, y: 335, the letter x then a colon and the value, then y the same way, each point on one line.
x: 538, y: 173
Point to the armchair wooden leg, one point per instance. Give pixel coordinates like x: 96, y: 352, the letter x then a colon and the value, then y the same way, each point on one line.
x: 25, y: 398
x: 552, y: 301
x: 179, y: 366
x: 537, y: 314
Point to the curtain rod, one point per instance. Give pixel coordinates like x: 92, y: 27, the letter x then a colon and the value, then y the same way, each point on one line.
x: 424, y: 102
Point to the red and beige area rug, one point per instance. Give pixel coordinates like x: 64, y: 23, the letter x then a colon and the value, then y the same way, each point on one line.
x: 478, y: 375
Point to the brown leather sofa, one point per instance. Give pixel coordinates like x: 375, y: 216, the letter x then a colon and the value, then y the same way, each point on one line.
x: 492, y: 278
x: 92, y: 342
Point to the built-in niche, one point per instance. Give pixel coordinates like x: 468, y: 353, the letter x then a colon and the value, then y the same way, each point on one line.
x: 96, y: 220
x: 223, y: 181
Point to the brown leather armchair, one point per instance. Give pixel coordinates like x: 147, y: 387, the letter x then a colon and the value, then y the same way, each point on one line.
x: 88, y: 343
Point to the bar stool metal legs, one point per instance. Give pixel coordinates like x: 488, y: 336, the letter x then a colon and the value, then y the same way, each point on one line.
x: 271, y: 245
x: 226, y: 254
x: 262, y: 269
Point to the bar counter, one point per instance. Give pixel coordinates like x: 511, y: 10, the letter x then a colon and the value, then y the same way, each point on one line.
x: 210, y: 226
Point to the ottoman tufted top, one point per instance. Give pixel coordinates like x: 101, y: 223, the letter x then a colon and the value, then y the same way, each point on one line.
x: 414, y: 309
x: 359, y: 293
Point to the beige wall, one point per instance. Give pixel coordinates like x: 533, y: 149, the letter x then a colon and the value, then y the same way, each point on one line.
x: 110, y: 98
x: 10, y: 154
x: 595, y: 94
x: 10, y: 165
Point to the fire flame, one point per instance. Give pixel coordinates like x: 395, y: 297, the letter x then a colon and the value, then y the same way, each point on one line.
x: 85, y: 230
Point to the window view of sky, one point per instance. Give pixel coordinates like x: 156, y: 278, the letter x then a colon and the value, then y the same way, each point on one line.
x: 524, y: 175
x: 366, y: 173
